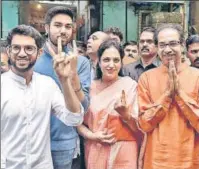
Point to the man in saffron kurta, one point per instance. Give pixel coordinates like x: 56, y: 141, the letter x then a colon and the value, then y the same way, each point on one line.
x: 169, y: 107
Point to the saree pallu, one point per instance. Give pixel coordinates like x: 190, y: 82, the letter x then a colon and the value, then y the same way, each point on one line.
x: 101, y: 115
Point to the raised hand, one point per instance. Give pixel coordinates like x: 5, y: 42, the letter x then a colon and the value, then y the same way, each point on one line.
x: 122, y: 108
x: 173, y: 79
x: 61, y: 63
x: 171, y: 87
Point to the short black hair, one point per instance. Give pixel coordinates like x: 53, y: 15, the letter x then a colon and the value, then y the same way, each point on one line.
x: 81, y: 44
x: 115, y: 31
x: 176, y: 27
x: 57, y: 10
x: 149, y: 29
x: 26, y: 30
x: 106, y: 45
x: 3, y: 46
x: 131, y: 42
x: 192, y: 39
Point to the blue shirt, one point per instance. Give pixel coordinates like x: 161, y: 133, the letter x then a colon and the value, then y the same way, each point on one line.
x: 64, y: 137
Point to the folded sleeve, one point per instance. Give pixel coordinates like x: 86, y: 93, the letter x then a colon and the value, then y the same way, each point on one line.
x: 190, y: 108
x: 151, y: 113
x: 61, y: 112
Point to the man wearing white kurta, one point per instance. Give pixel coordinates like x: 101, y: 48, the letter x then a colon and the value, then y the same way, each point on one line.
x: 28, y: 98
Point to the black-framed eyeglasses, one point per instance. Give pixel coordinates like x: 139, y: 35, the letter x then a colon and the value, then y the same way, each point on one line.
x: 171, y: 44
x: 28, y: 49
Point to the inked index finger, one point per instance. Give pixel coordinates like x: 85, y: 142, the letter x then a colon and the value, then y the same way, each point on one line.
x: 123, y: 98
x: 74, y: 46
x: 59, y: 45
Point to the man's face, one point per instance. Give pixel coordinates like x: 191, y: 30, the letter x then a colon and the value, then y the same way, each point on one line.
x: 81, y: 51
x: 114, y: 37
x: 4, y: 62
x: 23, y: 53
x: 94, y: 41
x: 131, y: 51
x: 193, y: 54
x: 60, y: 25
x: 147, y: 47
x: 169, y: 46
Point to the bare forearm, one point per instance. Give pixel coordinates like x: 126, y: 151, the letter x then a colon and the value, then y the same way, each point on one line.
x: 77, y: 86
x: 71, y: 100
x: 131, y: 122
x: 150, y: 117
x: 85, y: 132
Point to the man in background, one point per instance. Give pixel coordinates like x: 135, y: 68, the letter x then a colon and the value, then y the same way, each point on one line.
x: 93, y: 43
x: 147, y: 53
x: 4, y: 58
x: 192, y: 44
x: 130, y: 52
x: 115, y: 34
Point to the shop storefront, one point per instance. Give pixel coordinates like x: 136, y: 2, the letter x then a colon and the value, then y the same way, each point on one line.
x: 33, y: 13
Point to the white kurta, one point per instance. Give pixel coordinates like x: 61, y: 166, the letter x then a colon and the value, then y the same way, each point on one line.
x: 25, y: 120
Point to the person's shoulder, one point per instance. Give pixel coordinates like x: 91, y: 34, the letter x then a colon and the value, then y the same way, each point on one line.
x: 43, y: 78
x: 151, y: 73
x: 193, y: 70
x: 40, y: 61
x: 131, y: 65
x: 153, y: 70
x: 82, y: 59
x: 83, y: 64
x: 5, y: 76
x: 127, y: 80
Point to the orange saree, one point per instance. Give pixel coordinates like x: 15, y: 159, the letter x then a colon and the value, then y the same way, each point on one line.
x: 101, y: 115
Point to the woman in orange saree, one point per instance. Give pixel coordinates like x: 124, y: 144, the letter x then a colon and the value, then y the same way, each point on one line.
x: 110, y: 126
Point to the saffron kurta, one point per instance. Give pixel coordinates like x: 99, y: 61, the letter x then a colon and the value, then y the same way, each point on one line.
x: 172, y: 126
x: 101, y: 115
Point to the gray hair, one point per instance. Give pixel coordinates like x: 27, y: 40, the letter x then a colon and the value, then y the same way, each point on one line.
x: 176, y: 27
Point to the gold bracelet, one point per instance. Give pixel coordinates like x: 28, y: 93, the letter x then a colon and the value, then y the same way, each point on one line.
x: 78, y: 90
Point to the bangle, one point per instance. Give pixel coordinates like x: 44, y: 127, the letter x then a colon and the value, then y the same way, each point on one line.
x: 126, y: 120
x: 78, y: 89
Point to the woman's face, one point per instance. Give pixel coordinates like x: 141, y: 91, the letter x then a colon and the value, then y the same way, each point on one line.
x: 110, y: 63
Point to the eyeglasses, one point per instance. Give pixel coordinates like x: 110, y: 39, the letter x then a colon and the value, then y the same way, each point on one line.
x: 171, y: 44
x: 28, y: 49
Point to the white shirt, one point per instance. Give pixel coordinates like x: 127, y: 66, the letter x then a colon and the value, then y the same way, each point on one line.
x: 25, y: 120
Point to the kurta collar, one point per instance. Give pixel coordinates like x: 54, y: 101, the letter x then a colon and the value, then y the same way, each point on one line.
x: 182, y: 67
x: 20, y: 79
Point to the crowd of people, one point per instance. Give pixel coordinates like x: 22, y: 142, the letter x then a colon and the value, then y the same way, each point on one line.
x: 101, y: 106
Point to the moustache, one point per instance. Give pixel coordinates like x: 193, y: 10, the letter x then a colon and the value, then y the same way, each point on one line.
x: 63, y: 37
x: 144, y: 48
x: 196, y: 60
